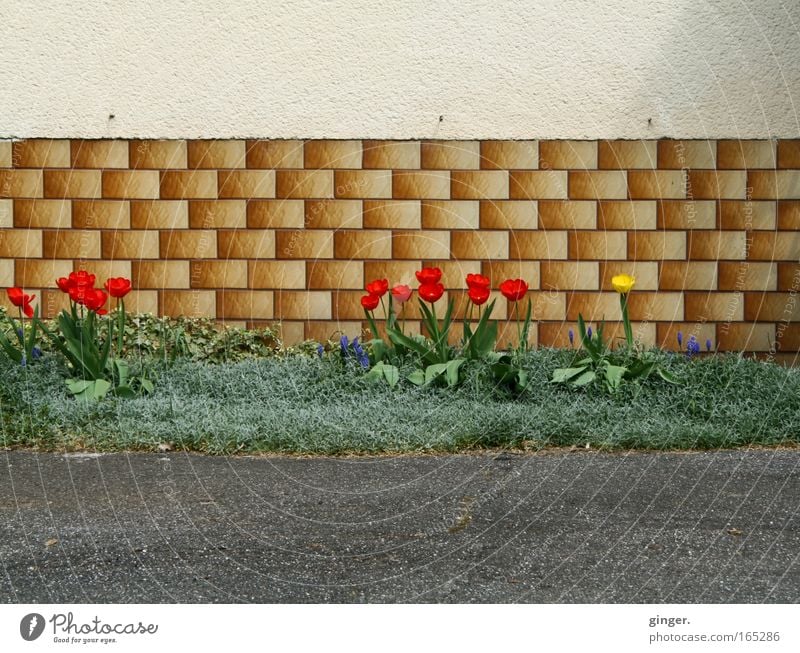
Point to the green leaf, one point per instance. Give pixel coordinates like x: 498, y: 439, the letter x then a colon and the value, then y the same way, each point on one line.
x: 451, y: 371
x: 101, y: 388
x: 433, y: 371
x: 613, y: 375
x: 391, y: 374
x: 147, y: 385
x: 125, y: 391
x: 77, y: 386
x: 417, y: 377
x: 587, y: 377
x: 564, y: 374
x: 668, y: 376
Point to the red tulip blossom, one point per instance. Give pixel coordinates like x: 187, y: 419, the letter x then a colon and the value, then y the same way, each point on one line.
x: 118, y: 287
x: 478, y: 295
x: 378, y: 287
x: 478, y: 281
x: 370, y: 302
x: 79, y: 279
x: 95, y: 299
x: 401, y: 293
x: 429, y: 276
x: 17, y: 297
x: 431, y: 292
x: 63, y: 284
x: 513, y: 289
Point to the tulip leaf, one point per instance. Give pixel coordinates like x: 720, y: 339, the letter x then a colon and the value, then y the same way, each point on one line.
x: 583, y: 379
x: 668, y: 376
x: 417, y: 377
x: 613, y: 375
x: 564, y: 374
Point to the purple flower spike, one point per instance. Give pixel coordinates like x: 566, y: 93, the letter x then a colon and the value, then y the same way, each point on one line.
x: 589, y: 332
x: 708, y: 344
x: 571, y: 337
x: 680, y: 339
x: 692, y: 347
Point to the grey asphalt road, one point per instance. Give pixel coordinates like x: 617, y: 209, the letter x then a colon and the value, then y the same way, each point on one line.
x: 491, y: 527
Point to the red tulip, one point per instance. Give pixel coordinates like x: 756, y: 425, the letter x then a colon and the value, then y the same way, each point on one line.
x: 431, y: 292
x: 63, y: 284
x: 513, y: 289
x: 95, y: 299
x: 20, y: 299
x: 477, y: 281
x: 118, y: 286
x: 370, y: 302
x: 478, y: 295
x: 401, y: 293
x: 429, y: 276
x: 378, y: 287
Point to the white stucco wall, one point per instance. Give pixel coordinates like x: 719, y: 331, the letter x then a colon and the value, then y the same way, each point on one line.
x: 380, y: 69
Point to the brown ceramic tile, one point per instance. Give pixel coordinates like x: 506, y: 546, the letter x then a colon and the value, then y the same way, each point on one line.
x: 394, y: 271
x: 788, y: 276
x: 288, y: 275
x: 656, y: 306
x: 421, y: 184
x: 392, y: 155
x: 626, y: 155
x: 101, y: 214
x: 212, y: 154
x: 593, y: 306
x: 31, y: 273
x: 789, y: 154
x: 568, y: 155
x: 72, y: 183
x: 247, y: 184
x: 217, y: 214
x: 246, y: 244
x: 188, y: 303
x: 657, y: 184
x: 163, y: 214
x: 747, y: 215
x: 276, y: 214
x: 741, y: 337
x: 714, y: 184
x: 367, y: 184
x: 245, y: 304
x: 771, y: 307
x: 645, y: 273
x: 774, y: 246
x: 130, y: 184
x: 774, y: 184
x: 677, y: 155
x: 130, y: 244
x: 567, y: 215
x: 489, y: 245
x: 301, y: 244
x: 599, y: 245
x: 570, y: 275
x: 362, y: 244
x: 333, y: 214
x: 37, y: 214
x: 509, y: 155
x: 21, y: 183
x: 537, y: 245
x: 157, y: 155
x: 748, y: 275
x: 626, y: 215
x: 686, y: 214
x: 538, y: 184
x: 392, y: 214
x: 694, y: 275
x: 742, y: 155
x: 427, y: 244
x: 311, y: 305
x: 71, y: 244
x: 657, y: 246
x: 332, y: 154
x: 450, y: 214
x: 789, y: 215
x: 218, y: 274
x: 597, y: 184
x: 20, y: 243
x: 192, y: 244
x: 304, y: 184
x: 514, y: 214
x: 7, y: 214
x: 451, y: 155
x: 99, y: 154
x: 275, y: 154
x: 188, y: 184
x: 335, y: 275
x: 499, y: 271
x: 40, y: 153
x: 158, y: 275
x: 479, y: 184
x: 717, y: 245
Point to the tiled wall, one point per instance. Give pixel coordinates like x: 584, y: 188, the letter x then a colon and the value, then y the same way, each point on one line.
x: 259, y: 231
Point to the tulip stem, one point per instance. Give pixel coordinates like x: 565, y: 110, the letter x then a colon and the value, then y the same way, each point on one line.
x: 623, y: 303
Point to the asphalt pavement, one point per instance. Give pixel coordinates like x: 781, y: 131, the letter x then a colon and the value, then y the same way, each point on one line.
x: 496, y: 527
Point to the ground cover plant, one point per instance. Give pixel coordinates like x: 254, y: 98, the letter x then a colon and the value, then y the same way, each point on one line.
x: 188, y: 384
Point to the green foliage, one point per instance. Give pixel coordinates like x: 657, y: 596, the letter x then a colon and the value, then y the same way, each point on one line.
x: 20, y: 341
x: 601, y: 364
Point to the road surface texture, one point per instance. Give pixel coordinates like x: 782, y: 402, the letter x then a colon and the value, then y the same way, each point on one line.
x: 492, y: 527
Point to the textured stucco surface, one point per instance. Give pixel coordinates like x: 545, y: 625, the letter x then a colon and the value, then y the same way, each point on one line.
x: 357, y: 68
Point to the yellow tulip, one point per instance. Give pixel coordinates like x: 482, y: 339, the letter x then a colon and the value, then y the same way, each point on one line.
x: 623, y: 283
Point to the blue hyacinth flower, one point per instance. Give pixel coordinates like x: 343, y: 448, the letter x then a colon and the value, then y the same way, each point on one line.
x: 571, y: 335
x: 692, y: 347
x: 708, y: 344
x: 680, y: 339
